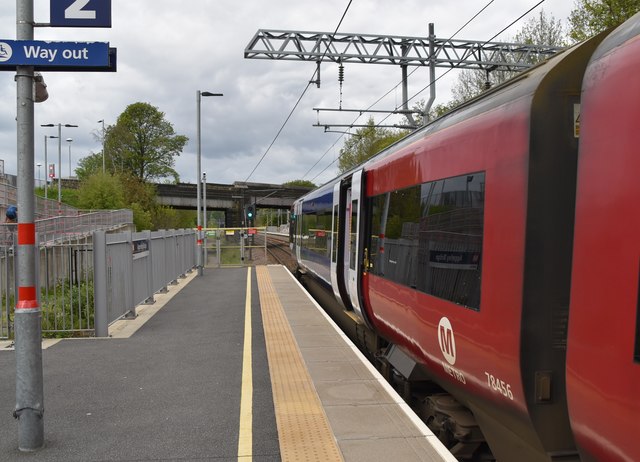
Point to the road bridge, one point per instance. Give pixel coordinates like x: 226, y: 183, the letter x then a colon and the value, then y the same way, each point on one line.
x: 231, y: 199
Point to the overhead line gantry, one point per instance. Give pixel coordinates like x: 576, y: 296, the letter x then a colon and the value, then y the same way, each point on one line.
x: 401, y: 51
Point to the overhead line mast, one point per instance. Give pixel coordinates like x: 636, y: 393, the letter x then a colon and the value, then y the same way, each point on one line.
x: 401, y: 51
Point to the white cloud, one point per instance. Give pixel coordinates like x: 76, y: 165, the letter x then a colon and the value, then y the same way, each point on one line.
x: 169, y: 50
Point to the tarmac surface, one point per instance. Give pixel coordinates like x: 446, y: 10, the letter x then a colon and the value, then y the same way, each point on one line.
x: 171, y: 392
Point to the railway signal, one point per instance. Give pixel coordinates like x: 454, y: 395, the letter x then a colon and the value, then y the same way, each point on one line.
x: 250, y: 214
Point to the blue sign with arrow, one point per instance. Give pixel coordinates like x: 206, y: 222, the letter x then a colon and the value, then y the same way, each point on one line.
x: 80, y: 13
x: 44, y: 55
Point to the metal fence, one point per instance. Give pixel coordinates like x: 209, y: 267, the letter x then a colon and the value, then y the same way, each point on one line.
x: 88, y: 280
x: 7, y: 288
x: 234, y: 246
x: 129, y: 268
x: 44, y: 208
x: 64, y: 276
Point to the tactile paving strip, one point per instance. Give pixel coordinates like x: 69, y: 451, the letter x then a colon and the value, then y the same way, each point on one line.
x: 303, y: 428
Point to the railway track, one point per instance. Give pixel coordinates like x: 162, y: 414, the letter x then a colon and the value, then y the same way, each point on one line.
x: 279, y: 251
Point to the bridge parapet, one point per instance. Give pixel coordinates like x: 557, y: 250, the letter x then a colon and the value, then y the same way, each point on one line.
x: 230, y: 198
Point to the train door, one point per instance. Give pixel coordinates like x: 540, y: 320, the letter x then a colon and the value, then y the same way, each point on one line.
x: 352, y: 240
x: 297, y: 209
x: 335, y: 233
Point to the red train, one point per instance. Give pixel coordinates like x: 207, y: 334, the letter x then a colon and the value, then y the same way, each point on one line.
x: 492, y: 260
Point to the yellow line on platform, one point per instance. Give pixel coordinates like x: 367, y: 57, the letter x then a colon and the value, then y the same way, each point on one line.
x: 245, y: 435
x: 303, y: 428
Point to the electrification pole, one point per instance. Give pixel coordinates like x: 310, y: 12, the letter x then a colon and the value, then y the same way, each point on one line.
x: 28, y: 330
x: 199, y: 95
x: 198, y: 182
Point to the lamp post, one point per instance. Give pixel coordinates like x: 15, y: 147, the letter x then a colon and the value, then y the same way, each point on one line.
x: 60, y: 159
x: 69, y: 140
x: 199, y: 95
x: 46, y: 166
x: 103, y: 166
x: 204, y: 218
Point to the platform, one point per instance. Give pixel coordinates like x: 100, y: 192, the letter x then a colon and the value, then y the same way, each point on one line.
x: 239, y: 364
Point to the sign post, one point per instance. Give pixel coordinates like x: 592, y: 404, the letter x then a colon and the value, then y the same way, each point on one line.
x: 27, y: 318
x: 25, y: 56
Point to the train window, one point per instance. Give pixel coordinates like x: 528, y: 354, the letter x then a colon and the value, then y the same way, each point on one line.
x: 352, y: 234
x: 334, y: 235
x: 429, y: 237
x: 316, y: 226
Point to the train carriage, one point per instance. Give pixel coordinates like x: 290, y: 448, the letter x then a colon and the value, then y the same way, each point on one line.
x: 471, y: 278
x: 454, y: 249
x: 603, y: 364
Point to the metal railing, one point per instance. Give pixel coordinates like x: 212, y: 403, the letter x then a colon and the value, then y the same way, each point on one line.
x: 234, y: 246
x: 63, y: 276
x: 87, y: 280
x: 82, y: 223
x: 129, y: 268
x: 44, y: 208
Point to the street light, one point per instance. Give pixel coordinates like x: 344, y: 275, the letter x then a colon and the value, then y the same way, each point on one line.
x: 46, y: 166
x: 59, y: 159
x: 199, y: 95
x: 103, y: 167
x: 69, y: 140
x: 38, y: 165
x: 204, y: 221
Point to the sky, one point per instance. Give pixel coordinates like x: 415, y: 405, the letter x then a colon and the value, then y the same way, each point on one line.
x: 168, y: 50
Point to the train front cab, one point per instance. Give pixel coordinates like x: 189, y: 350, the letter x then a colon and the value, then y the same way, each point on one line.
x: 469, y: 272
x: 603, y: 358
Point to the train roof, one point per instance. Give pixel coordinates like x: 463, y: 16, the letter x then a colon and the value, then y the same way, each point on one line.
x: 626, y: 31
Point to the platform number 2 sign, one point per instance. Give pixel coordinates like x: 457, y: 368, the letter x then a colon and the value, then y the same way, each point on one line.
x: 75, y: 11
x: 80, y: 13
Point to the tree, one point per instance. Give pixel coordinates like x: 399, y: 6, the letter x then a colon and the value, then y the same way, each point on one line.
x: 589, y: 17
x: 540, y: 30
x: 101, y: 192
x: 300, y: 183
x: 144, y: 143
x: 89, y: 166
x: 365, y: 143
x: 106, y: 191
x: 435, y: 112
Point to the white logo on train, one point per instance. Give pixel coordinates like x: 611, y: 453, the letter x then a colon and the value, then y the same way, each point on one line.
x: 447, y: 341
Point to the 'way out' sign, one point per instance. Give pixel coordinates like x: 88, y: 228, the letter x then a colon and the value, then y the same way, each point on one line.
x: 43, y: 54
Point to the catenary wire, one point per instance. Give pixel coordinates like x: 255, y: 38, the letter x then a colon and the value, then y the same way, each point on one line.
x: 485, y: 42
x: 300, y: 98
x: 429, y: 85
x: 387, y: 94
